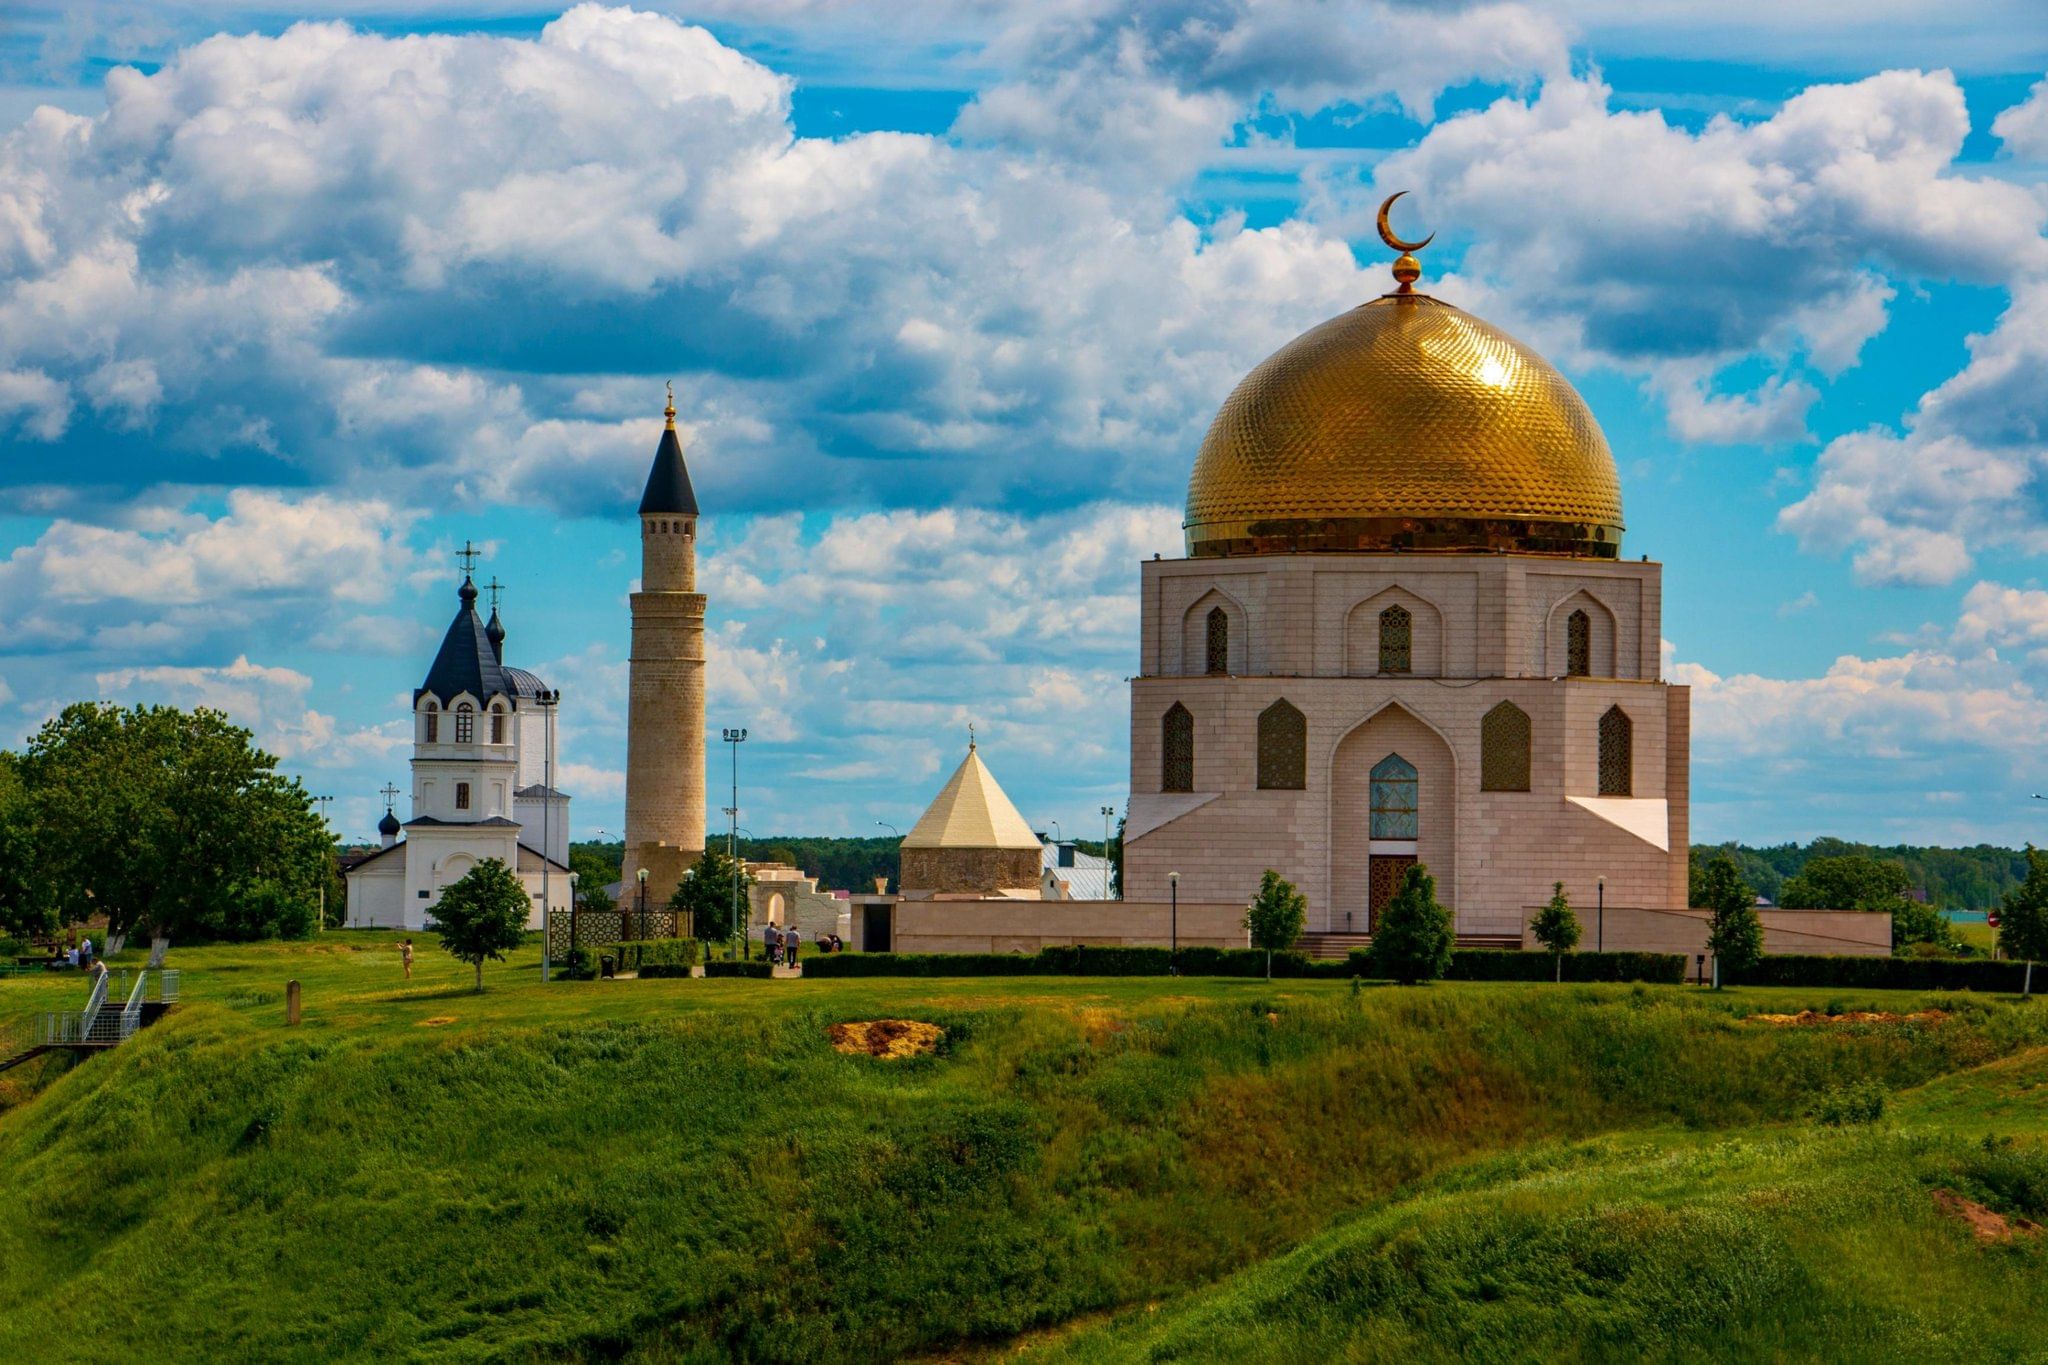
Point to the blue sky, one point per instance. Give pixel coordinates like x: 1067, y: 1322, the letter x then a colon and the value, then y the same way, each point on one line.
x: 294, y: 302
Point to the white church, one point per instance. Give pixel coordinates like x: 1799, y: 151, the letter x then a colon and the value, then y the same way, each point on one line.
x: 480, y: 764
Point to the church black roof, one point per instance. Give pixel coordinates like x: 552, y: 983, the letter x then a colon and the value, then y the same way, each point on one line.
x: 466, y: 662
x: 668, y: 482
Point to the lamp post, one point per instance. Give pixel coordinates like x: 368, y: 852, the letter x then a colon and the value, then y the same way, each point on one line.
x: 1107, y: 812
x: 325, y: 802
x: 732, y: 844
x: 547, y: 702
x: 1600, y: 923
x: 891, y: 828
x: 1057, y: 836
x: 1173, y: 923
x: 643, y: 895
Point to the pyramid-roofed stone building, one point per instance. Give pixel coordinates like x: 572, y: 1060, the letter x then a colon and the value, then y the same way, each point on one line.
x: 970, y: 841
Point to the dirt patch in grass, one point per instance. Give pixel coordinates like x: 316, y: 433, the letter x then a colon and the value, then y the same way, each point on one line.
x: 438, y: 1021
x: 1808, y: 1018
x: 1988, y: 1224
x: 886, y: 1038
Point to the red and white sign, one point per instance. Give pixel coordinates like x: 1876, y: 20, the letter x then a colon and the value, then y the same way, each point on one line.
x: 1992, y: 919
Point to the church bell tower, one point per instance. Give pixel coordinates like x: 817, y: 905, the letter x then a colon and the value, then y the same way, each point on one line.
x: 665, y: 720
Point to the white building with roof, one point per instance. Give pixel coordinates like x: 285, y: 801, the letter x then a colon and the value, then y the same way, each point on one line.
x: 479, y: 768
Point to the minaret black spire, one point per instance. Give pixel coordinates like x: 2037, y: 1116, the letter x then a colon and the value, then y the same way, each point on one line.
x: 668, y: 482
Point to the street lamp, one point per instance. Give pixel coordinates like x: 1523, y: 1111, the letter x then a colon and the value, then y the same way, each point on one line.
x: 1173, y: 942
x: 891, y: 828
x: 732, y: 844
x: 325, y: 802
x: 547, y: 702
x: 1057, y: 837
x: 1600, y: 930
x: 1107, y: 812
x: 643, y: 895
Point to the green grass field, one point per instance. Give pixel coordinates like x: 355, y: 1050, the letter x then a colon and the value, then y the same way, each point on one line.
x: 1088, y: 1168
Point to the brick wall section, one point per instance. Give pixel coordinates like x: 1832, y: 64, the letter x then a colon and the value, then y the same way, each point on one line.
x: 943, y: 871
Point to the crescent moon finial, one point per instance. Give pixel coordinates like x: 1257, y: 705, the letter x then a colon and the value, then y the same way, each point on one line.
x: 1407, y: 270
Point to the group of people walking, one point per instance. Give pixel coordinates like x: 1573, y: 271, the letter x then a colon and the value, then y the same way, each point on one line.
x: 783, y: 944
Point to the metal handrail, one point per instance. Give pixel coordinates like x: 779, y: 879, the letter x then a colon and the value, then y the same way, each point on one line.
x: 167, y: 985
x: 131, y: 1016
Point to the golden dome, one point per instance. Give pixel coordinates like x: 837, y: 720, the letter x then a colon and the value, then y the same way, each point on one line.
x: 1404, y: 424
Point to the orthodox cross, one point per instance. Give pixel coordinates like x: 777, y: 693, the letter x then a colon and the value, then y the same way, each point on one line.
x: 468, y: 554
x: 494, y: 587
x: 390, y: 795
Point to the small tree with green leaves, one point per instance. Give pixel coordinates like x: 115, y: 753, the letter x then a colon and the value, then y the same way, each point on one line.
x: 483, y: 915
x: 1556, y: 927
x: 707, y: 896
x: 1276, y: 916
x: 1736, y: 934
x: 1412, y: 941
x: 2023, y: 917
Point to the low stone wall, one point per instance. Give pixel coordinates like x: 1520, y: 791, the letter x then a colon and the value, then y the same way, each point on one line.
x: 1837, y: 933
x: 591, y: 928
x: 1005, y: 926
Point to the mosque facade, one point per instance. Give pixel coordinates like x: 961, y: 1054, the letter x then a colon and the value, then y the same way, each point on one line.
x: 1403, y: 632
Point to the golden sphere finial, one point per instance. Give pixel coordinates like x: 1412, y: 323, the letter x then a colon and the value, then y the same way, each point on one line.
x: 1407, y: 270
x: 670, y: 411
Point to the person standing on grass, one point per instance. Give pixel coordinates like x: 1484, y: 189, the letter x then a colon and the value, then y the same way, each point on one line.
x: 771, y: 939
x: 789, y: 945
x: 85, y: 951
x: 405, y: 957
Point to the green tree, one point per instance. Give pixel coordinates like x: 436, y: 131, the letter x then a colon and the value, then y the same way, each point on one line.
x: 25, y: 905
x: 1913, y: 922
x: 1851, y: 881
x: 1276, y: 916
x: 1556, y: 928
x: 706, y: 896
x: 1412, y: 941
x: 170, y: 822
x: 1736, y: 934
x: 483, y: 915
x: 2023, y: 916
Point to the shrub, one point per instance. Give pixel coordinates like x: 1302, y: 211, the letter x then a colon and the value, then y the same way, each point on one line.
x: 1507, y: 964
x: 747, y: 968
x: 1276, y: 916
x: 1556, y: 927
x: 656, y: 956
x: 1076, y: 960
x: 923, y: 964
x: 1887, y: 973
x: 1856, y: 1102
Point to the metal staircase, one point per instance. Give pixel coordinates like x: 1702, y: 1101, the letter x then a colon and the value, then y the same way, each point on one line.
x: 96, y: 1027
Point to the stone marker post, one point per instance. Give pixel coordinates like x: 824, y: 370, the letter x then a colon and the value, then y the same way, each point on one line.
x: 291, y: 1003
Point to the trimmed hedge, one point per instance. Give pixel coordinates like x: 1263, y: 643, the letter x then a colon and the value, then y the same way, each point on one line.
x: 1496, y: 964
x: 1074, y: 960
x: 1888, y: 973
x: 655, y: 956
x: 718, y: 966
x: 922, y: 964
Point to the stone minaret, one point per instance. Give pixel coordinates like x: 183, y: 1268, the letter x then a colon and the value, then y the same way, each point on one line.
x: 665, y: 722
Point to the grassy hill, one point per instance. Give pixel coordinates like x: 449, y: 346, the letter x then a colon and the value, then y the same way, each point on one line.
x: 687, y: 1169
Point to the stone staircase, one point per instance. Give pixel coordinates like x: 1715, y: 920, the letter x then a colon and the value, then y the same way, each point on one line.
x: 1332, y: 947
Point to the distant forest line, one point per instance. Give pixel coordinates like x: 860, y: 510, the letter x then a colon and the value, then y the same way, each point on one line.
x: 1972, y: 878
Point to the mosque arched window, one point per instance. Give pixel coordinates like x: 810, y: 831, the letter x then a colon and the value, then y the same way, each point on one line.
x: 1395, y: 788
x: 1504, y: 749
x: 1578, y: 645
x: 1397, y: 640
x: 497, y: 722
x: 465, y: 723
x: 1617, y: 753
x: 1283, y: 748
x: 1219, y: 641
x: 1177, y: 750
x: 433, y: 723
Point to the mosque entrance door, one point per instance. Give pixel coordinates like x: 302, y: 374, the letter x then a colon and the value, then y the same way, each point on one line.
x: 1385, y: 872
x: 874, y: 926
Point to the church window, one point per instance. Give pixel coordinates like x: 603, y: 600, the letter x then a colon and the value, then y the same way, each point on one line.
x: 1617, y: 753
x: 497, y: 725
x: 1578, y: 645
x: 1394, y: 791
x: 465, y: 724
x: 1397, y: 638
x: 1219, y: 640
x: 433, y: 723
x: 462, y: 796
x: 1177, y: 750
x: 1283, y: 748
x: 1504, y: 749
